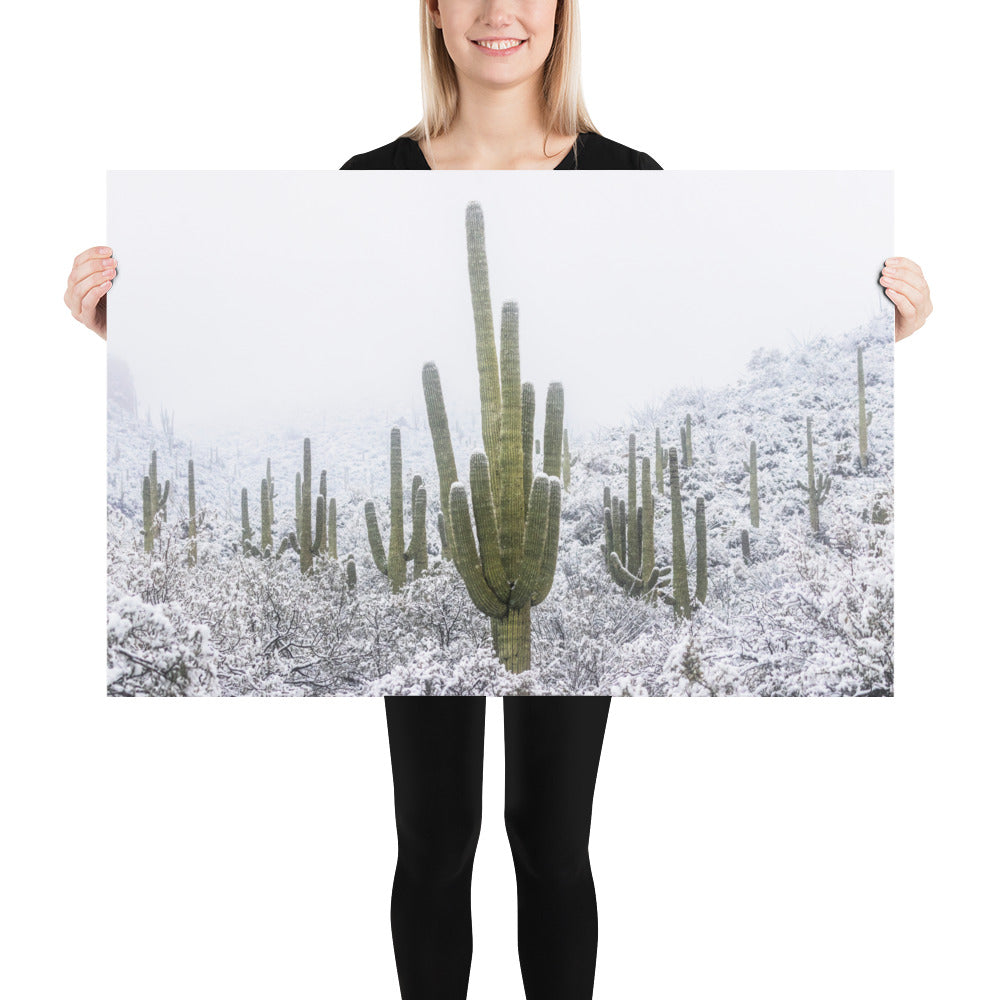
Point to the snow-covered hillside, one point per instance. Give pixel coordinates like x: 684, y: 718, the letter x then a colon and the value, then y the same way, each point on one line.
x: 810, y: 614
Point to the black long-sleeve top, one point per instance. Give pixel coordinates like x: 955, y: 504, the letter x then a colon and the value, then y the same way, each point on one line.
x: 592, y: 152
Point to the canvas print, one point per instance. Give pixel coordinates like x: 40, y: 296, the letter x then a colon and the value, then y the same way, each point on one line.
x: 502, y: 433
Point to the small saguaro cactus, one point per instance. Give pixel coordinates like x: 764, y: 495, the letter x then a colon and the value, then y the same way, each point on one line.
x: 682, y: 595
x: 751, y: 467
x: 192, y: 523
x: 394, y: 565
x: 745, y: 545
x: 650, y: 578
x: 331, y: 530
x: 158, y: 495
x: 659, y: 462
x: 687, y: 453
x: 818, y: 485
x: 508, y: 564
x: 701, y: 552
x: 864, y: 419
x: 304, y: 540
x: 352, y: 573
x: 265, y: 550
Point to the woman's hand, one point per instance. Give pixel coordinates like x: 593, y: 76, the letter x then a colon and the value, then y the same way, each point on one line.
x: 905, y: 285
x: 87, y: 288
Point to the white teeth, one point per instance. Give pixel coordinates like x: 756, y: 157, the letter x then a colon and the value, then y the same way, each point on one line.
x: 499, y: 45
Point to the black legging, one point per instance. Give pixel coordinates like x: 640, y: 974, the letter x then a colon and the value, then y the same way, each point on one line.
x: 552, y: 750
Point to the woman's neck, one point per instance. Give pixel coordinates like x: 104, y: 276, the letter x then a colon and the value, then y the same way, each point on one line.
x: 497, y: 130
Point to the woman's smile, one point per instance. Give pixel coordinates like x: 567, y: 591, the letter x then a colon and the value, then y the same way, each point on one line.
x: 498, y: 46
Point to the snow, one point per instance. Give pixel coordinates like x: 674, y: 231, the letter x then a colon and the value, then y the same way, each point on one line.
x: 809, y: 616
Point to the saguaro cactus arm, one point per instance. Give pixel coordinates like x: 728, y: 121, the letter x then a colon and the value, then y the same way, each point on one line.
x: 467, y: 558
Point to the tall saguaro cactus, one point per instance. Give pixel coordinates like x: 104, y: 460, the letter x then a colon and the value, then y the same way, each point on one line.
x: 864, y: 419
x: 394, y: 565
x: 192, y: 525
x: 682, y: 595
x: 818, y: 485
x: 508, y: 564
x: 659, y: 462
x: 751, y: 467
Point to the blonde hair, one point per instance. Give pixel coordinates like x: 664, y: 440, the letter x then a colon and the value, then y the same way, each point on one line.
x: 565, y: 112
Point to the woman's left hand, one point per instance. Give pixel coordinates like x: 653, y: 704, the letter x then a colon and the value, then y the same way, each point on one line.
x: 905, y: 285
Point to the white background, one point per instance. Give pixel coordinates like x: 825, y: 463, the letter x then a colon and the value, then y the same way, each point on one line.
x: 743, y: 848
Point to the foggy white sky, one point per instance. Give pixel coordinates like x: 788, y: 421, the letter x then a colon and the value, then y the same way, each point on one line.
x: 255, y: 297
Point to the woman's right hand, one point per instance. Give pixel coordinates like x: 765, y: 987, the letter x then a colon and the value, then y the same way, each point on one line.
x: 87, y: 288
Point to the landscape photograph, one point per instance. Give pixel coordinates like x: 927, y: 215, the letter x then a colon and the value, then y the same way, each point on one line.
x: 500, y: 433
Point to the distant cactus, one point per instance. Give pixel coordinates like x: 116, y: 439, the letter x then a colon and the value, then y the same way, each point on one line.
x: 686, y: 448
x: 265, y: 549
x: 538, y: 447
x: 352, y: 573
x: 394, y: 565
x: 192, y: 523
x: 818, y: 485
x: 701, y: 552
x: 745, y: 545
x: 331, y: 530
x: 306, y: 542
x: 751, y: 467
x: 659, y: 462
x: 147, y: 515
x: 158, y: 495
x: 513, y: 565
x: 682, y: 595
x: 864, y: 419
x: 650, y: 579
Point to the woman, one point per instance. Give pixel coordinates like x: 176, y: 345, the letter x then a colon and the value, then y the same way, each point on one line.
x: 501, y: 88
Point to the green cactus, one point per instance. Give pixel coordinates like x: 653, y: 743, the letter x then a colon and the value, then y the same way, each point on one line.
x: 566, y: 460
x: 686, y: 451
x: 147, y: 515
x: 659, y: 462
x: 270, y: 490
x: 818, y: 486
x: 864, y: 419
x: 650, y: 579
x: 445, y: 551
x: 331, y: 530
x: 751, y: 467
x: 394, y: 565
x: 633, y: 553
x: 745, y: 545
x: 701, y: 552
x: 192, y: 524
x: 538, y: 447
x: 158, y: 495
x: 513, y: 565
x: 682, y: 595
x: 352, y: 574
x: 304, y: 540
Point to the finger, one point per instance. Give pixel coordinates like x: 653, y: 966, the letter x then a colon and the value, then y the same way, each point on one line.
x: 81, y: 286
x: 91, y: 252
x: 94, y: 265
x: 911, y: 277
x: 903, y: 304
x: 913, y: 293
x: 89, y: 298
x: 904, y: 263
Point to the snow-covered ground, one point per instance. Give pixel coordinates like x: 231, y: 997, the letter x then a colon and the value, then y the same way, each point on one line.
x: 809, y: 615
